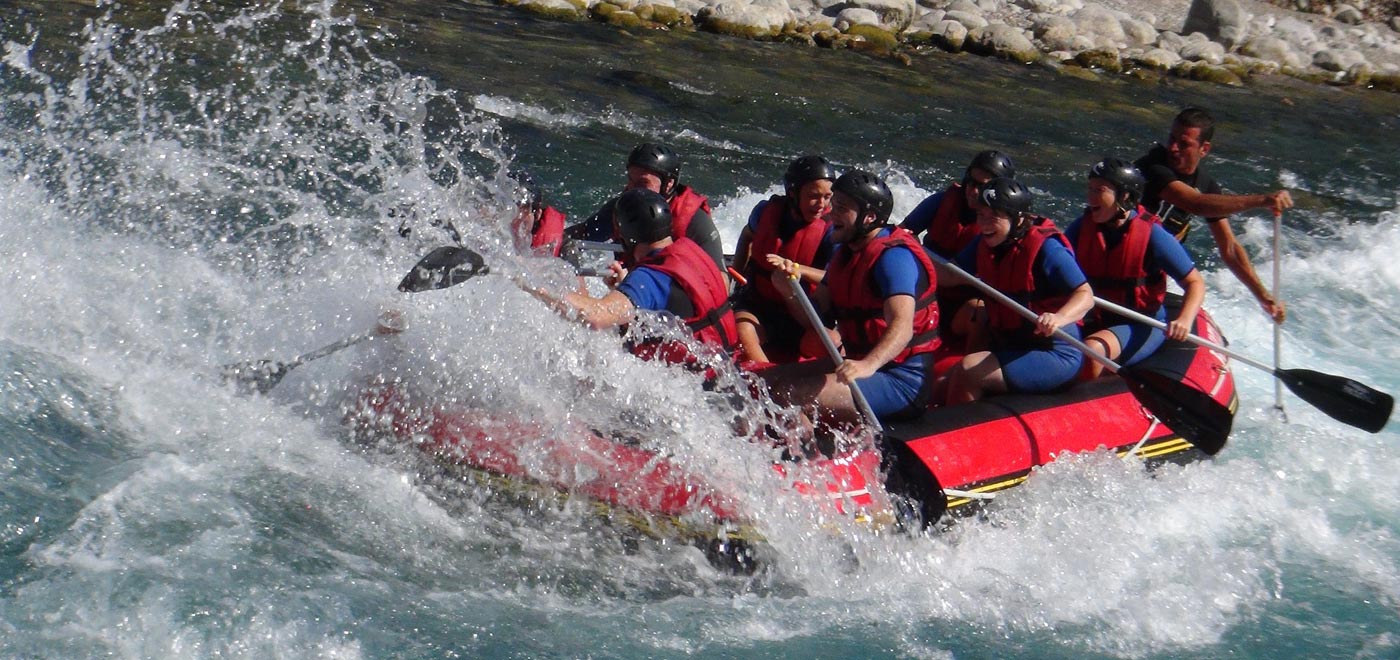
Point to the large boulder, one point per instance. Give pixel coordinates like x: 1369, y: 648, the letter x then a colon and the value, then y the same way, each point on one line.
x: 1138, y: 33
x: 1203, y: 51
x: 1004, y: 41
x: 1223, y: 21
x: 1272, y: 49
x: 856, y: 16
x: 1160, y: 58
x: 893, y: 13
x: 1338, y: 59
x: 1099, y: 23
x: 950, y: 36
x: 969, y: 20
x: 1054, y: 31
x: 745, y: 18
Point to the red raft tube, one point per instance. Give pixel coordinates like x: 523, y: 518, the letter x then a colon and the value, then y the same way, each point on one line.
x: 626, y: 483
x: 952, y: 457
x: 941, y: 462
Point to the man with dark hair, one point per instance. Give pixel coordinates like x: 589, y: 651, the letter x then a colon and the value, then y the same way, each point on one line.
x: 1177, y: 188
x: 879, y: 290
x: 669, y: 275
x: 657, y: 167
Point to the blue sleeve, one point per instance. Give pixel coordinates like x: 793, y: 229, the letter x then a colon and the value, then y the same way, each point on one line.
x: 896, y: 272
x: 755, y: 214
x: 1072, y: 233
x: 1168, y: 254
x: 647, y: 288
x: 921, y: 217
x: 1062, y: 273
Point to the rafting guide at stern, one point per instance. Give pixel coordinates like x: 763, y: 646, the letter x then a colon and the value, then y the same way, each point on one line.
x: 1178, y: 188
x: 879, y: 292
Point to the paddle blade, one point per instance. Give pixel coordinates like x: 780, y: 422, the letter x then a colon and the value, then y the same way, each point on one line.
x: 1200, y: 419
x: 443, y: 267
x: 256, y: 377
x: 1343, y: 399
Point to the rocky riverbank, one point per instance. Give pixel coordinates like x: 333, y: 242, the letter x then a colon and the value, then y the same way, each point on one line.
x: 1225, y: 41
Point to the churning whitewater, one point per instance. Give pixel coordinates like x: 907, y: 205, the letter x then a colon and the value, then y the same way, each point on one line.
x: 189, y: 184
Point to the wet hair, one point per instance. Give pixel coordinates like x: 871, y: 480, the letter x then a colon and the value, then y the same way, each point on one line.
x: 1194, y: 117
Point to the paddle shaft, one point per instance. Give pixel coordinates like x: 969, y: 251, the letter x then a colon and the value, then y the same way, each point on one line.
x: 795, y: 288
x: 332, y: 348
x: 1148, y: 320
x: 1278, y: 328
x: 1026, y: 313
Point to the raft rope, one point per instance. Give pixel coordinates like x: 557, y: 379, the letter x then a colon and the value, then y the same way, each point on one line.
x: 968, y: 494
x: 1132, y: 453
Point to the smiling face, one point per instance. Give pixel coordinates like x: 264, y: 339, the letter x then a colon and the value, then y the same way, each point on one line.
x: 845, y: 219
x: 814, y: 199
x: 994, y: 226
x: 1102, y: 200
x: 1185, y: 149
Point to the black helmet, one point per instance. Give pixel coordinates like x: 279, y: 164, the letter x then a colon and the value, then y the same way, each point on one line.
x: 642, y: 216
x: 992, y: 162
x: 658, y: 158
x: 1123, y: 176
x: 869, y: 191
x: 805, y: 170
x: 1006, y: 195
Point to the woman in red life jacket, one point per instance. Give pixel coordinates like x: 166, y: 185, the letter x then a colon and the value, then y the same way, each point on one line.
x: 1127, y: 256
x: 948, y: 221
x: 1027, y: 259
x: 785, y: 233
x: 671, y: 275
x: 657, y: 167
x: 537, y: 228
x: 879, y: 290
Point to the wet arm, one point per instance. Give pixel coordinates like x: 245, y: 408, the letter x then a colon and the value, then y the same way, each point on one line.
x: 1219, y: 205
x: 1237, y: 260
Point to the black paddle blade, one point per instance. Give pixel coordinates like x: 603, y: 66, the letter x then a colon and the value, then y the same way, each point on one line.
x: 443, y: 267
x: 1343, y: 399
x: 256, y: 377
x: 1200, y: 419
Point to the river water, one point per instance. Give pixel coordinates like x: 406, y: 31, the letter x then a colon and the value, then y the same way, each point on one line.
x: 189, y: 184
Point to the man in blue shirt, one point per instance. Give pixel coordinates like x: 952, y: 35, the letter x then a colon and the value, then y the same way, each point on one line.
x: 879, y: 290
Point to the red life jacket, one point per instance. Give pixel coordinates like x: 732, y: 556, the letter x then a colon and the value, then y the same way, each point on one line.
x: 683, y: 206
x: 1012, y: 273
x: 947, y: 234
x: 695, y: 273
x: 801, y: 247
x: 860, y: 312
x: 548, y: 231
x: 1117, y: 274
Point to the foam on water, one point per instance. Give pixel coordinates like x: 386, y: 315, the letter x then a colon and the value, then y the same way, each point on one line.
x: 151, y: 235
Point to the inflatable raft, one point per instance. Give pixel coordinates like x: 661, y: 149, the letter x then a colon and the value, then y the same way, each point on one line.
x: 939, y: 463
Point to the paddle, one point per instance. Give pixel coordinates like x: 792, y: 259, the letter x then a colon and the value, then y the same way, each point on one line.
x: 1342, y: 399
x: 811, y: 312
x: 259, y: 376
x: 451, y: 265
x: 1278, y: 327
x: 1201, y: 420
